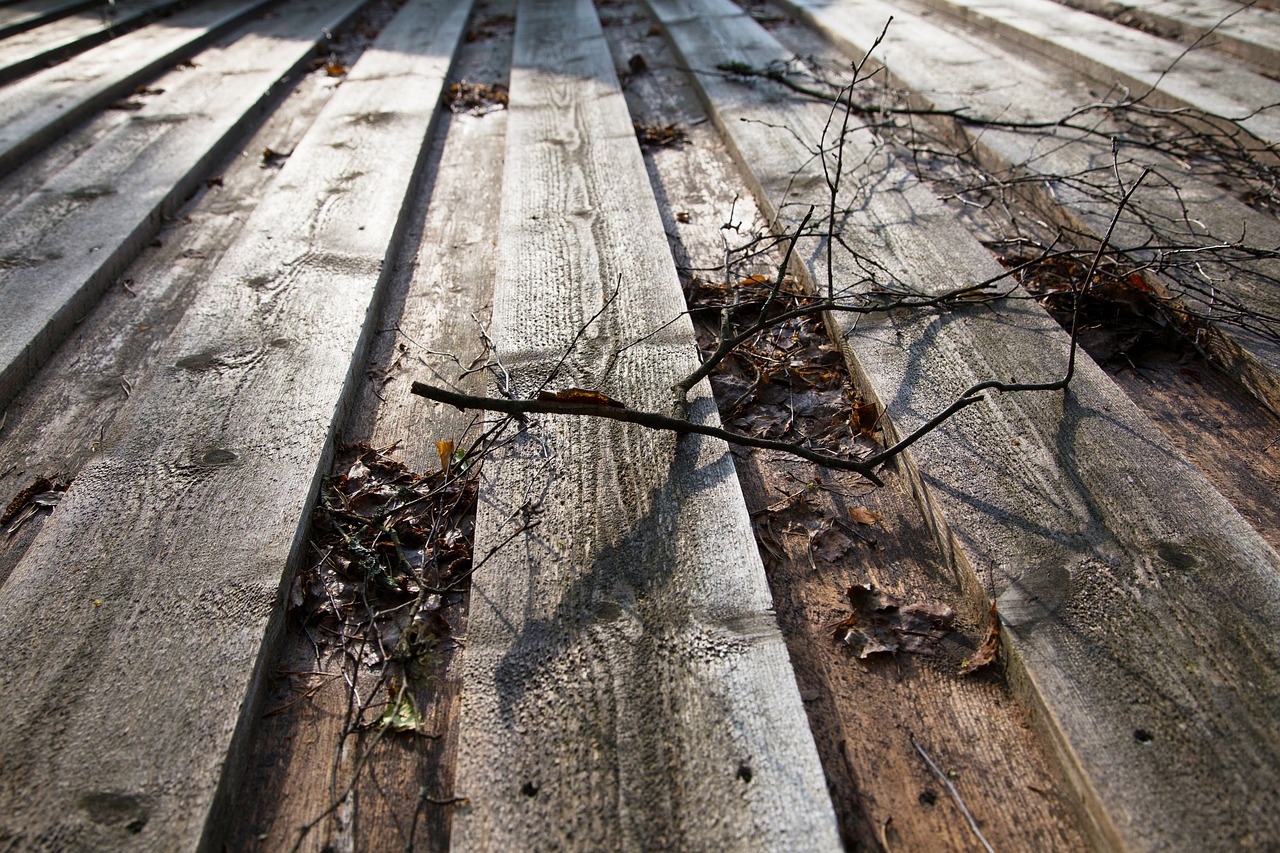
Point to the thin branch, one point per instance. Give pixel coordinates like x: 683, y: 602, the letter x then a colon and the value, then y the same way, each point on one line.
x: 937, y: 771
x: 652, y: 420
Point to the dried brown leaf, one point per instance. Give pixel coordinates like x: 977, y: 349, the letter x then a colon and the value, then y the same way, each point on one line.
x: 989, y: 651
x: 862, y: 515
x: 580, y: 395
x: 881, y: 624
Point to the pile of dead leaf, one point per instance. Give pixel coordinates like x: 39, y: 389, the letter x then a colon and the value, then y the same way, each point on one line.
x: 787, y: 383
x: 881, y: 624
x: 660, y: 135
x: 1120, y: 317
x: 476, y: 98
x: 392, y: 553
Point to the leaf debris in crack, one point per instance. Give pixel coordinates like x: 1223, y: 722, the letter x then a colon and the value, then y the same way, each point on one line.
x: 881, y: 623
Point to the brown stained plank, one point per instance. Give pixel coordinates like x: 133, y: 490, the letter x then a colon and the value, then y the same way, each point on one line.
x: 36, y: 110
x: 446, y: 278
x: 28, y: 52
x: 184, y: 526
x: 1113, y: 54
x: 946, y: 71
x: 67, y: 242
x: 625, y: 684
x: 1139, y: 608
x: 1214, y: 422
x: 862, y: 713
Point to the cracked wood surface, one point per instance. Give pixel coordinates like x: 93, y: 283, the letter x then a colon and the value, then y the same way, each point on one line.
x: 66, y: 243
x: 35, y: 110
x: 30, y: 51
x: 639, y: 649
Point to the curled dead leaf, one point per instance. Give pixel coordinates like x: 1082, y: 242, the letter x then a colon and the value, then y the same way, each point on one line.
x: 579, y: 395
x: 989, y: 651
x: 862, y: 515
x: 445, y: 449
x: 864, y: 417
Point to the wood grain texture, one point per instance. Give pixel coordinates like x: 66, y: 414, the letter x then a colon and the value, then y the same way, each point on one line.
x: 52, y: 428
x: 443, y: 279
x: 625, y: 685
x: 946, y: 70
x: 1140, y: 609
x: 1142, y: 63
x: 1248, y: 32
x: 33, y: 13
x: 863, y: 713
x: 129, y: 708
x: 30, y: 51
x: 68, y: 242
x: 35, y: 110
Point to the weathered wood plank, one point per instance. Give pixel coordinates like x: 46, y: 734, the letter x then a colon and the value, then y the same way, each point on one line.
x: 1249, y: 32
x: 69, y: 240
x: 1142, y: 63
x: 443, y: 280
x: 33, y: 13
x: 134, y: 666
x: 1140, y: 610
x: 947, y: 71
x: 31, y: 51
x: 36, y: 110
x: 625, y: 685
x: 863, y: 713
x: 51, y: 429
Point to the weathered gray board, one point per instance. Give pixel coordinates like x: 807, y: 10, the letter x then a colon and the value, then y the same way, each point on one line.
x: 67, y: 242
x: 1249, y: 32
x: 132, y: 632
x: 626, y: 686
x: 1112, y: 53
x: 33, y: 13
x: 30, y: 51
x: 946, y: 70
x: 1141, y: 613
x: 35, y: 110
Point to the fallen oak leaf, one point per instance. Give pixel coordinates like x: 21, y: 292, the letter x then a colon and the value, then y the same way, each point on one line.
x: 989, y: 651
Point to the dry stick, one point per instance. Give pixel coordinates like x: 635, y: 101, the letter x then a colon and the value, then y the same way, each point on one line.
x: 652, y: 420
x: 954, y: 794
x: 960, y: 114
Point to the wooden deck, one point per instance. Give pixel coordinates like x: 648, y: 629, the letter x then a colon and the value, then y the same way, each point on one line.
x: 234, y: 232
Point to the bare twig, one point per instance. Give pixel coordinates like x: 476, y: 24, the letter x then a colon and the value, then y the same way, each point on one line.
x: 937, y: 771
